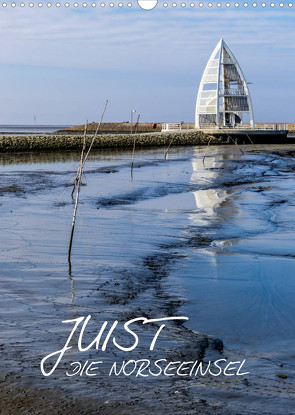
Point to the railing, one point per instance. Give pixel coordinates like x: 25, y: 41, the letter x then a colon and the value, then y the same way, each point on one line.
x: 232, y: 92
x: 209, y: 127
x: 176, y: 126
x: 274, y: 126
x: 267, y: 126
x: 172, y: 126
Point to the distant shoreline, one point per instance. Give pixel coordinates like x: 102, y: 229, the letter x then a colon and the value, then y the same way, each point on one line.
x: 8, y: 129
x: 108, y: 128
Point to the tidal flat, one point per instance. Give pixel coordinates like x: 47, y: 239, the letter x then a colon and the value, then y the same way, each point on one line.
x: 207, y: 233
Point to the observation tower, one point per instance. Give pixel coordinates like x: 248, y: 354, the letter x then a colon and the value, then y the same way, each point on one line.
x: 223, y: 99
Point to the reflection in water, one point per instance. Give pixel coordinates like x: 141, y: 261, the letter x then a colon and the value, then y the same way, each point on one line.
x: 206, y: 200
x: 36, y: 157
x: 72, y: 281
x: 209, y: 199
x: 239, y: 285
x: 63, y: 156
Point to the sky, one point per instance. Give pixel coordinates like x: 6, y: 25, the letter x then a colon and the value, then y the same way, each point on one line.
x: 61, y: 64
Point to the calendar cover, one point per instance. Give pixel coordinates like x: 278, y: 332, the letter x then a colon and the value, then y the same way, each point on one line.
x: 147, y: 187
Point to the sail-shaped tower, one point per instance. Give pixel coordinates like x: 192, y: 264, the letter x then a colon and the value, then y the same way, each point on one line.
x: 223, y: 98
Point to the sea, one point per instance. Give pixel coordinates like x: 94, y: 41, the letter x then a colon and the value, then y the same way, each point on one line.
x: 30, y: 129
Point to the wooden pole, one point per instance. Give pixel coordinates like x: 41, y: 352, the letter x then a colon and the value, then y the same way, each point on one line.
x: 81, y: 160
x: 234, y: 141
x: 166, y: 152
x: 133, y: 150
x: 77, y: 185
x: 207, y: 150
x: 250, y: 140
x: 96, y: 132
x: 78, y: 180
x: 136, y: 124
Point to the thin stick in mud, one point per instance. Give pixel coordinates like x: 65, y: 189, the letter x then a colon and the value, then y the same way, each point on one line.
x: 166, y: 152
x: 207, y: 149
x: 96, y: 132
x: 133, y: 150
x: 81, y: 161
x: 77, y: 183
x: 250, y: 140
x: 234, y: 141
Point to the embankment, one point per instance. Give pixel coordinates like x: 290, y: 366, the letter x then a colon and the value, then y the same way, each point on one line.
x: 119, y: 141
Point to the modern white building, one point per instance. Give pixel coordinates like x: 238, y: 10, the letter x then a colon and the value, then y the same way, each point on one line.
x: 223, y: 99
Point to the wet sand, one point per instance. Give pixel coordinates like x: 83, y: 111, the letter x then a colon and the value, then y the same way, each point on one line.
x: 183, y: 238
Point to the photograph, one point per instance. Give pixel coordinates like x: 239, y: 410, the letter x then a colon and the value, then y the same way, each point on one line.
x: 147, y: 199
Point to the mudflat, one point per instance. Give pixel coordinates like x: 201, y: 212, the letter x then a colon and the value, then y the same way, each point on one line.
x: 210, y: 238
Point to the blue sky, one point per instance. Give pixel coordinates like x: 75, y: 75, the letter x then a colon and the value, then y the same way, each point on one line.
x: 61, y: 64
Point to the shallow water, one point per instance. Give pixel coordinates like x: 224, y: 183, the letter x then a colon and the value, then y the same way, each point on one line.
x: 212, y: 239
x: 30, y: 129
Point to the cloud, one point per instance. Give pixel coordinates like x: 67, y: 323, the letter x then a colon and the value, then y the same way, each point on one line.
x: 101, y: 38
x: 165, y: 50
